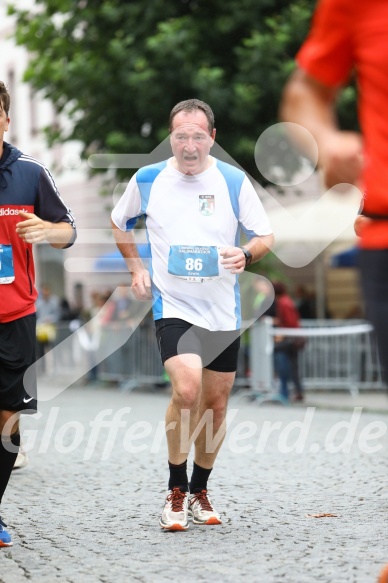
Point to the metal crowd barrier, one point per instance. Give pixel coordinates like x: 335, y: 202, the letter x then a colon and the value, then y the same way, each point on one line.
x: 338, y: 354
x: 137, y: 362
x: 345, y: 358
x: 85, y: 351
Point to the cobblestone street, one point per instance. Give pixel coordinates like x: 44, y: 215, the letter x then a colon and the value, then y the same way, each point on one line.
x: 86, y: 508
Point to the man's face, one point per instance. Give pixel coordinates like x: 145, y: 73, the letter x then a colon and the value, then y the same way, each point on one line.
x: 4, y: 122
x: 191, y: 141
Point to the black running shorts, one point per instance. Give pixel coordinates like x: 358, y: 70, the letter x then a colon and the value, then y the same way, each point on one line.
x: 17, y: 354
x: 218, y: 350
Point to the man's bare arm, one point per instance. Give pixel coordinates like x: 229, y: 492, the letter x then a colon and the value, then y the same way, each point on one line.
x: 33, y: 229
x: 312, y: 105
x: 141, y: 280
x: 234, y: 258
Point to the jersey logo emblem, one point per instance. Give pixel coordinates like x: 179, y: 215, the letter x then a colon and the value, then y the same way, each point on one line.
x: 206, y: 204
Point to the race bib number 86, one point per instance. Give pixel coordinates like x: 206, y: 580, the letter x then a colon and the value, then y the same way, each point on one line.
x: 194, y: 263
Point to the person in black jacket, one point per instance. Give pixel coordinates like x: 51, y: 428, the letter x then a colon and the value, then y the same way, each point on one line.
x: 31, y: 210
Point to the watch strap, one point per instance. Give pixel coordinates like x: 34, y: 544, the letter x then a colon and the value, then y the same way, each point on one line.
x: 248, y: 256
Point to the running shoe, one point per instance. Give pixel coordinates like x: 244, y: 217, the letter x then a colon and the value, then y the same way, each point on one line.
x: 175, y: 511
x: 201, y: 509
x: 5, y: 537
x: 21, y: 460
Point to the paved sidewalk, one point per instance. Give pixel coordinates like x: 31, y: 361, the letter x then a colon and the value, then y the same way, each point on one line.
x: 86, y: 508
x: 370, y: 401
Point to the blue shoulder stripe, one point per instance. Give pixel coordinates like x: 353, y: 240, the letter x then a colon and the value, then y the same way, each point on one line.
x: 145, y: 178
x: 234, y: 178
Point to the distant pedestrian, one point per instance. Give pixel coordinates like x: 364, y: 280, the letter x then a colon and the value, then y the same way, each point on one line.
x: 286, y: 348
x: 48, y: 313
x: 305, y: 303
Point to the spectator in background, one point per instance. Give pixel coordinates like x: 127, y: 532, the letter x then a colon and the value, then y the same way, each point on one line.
x: 107, y: 307
x: 262, y: 302
x: 66, y: 314
x: 69, y: 321
x: 124, y: 303
x: 305, y: 302
x: 90, y: 335
x: 286, y: 349
x: 48, y: 312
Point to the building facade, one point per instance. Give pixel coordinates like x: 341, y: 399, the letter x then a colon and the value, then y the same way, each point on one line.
x: 72, y: 273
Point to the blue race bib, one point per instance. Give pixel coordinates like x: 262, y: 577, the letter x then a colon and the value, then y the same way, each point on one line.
x: 194, y: 263
x: 7, y: 274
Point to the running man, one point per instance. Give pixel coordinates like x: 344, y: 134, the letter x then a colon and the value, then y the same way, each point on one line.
x: 348, y: 39
x: 194, y: 207
x: 31, y: 211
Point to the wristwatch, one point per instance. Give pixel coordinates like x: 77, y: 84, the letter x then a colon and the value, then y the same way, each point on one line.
x: 248, y: 256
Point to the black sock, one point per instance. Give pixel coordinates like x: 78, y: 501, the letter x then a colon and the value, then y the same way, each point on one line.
x: 199, y: 479
x: 178, y: 477
x: 7, y: 458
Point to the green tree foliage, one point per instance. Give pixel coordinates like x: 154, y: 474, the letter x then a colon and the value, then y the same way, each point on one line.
x: 117, y: 67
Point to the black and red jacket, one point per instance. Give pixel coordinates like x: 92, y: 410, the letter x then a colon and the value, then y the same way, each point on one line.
x: 25, y: 185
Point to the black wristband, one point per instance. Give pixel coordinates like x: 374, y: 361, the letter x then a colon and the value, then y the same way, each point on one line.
x: 248, y: 256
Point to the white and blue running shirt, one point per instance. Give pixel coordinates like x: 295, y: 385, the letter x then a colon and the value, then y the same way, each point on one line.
x: 188, y: 220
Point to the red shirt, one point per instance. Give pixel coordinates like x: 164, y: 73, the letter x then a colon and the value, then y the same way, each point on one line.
x: 286, y: 312
x: 24, y: 185
x: 347, y: 36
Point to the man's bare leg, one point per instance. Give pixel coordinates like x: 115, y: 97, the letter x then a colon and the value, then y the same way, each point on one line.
x: 182, y: 414
x: 216, y: 387
x: 185, y: 373
x: 9, y: 445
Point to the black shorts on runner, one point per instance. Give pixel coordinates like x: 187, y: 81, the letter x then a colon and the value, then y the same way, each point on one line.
x: 17, y: 354
x: 218, y: 350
